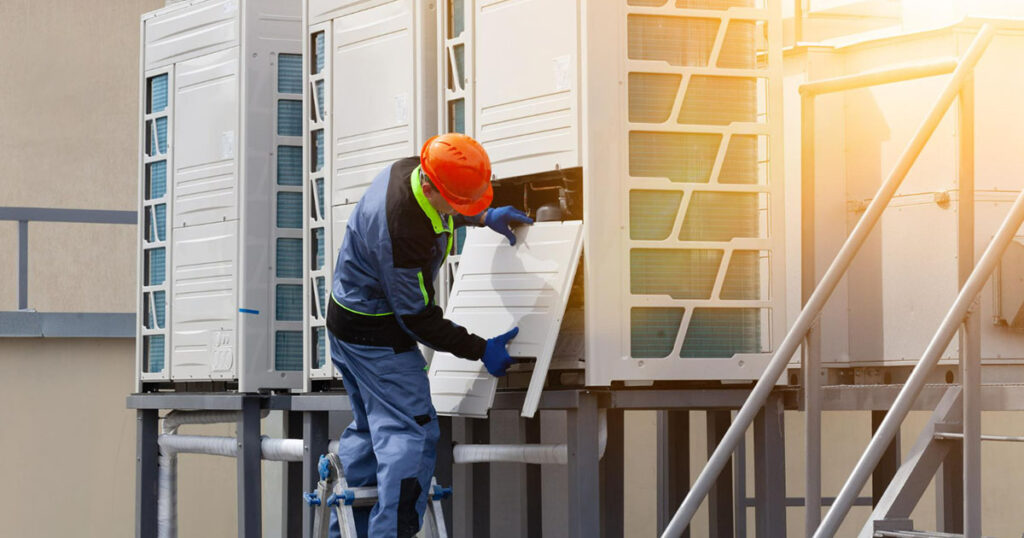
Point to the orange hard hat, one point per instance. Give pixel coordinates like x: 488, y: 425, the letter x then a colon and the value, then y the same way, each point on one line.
x: 460, y: 169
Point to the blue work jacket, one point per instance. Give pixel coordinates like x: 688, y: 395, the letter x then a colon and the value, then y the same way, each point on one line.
x: 383, y: 288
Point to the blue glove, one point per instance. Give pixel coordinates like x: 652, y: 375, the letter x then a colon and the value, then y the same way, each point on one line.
x: 500, y: 220
x: 496, y: 357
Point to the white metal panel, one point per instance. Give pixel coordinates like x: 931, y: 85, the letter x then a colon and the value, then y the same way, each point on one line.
x: 204, y: 309
x: 190, y: 30
x: 498, y: 287
x: 271, y: 28
x: 206, y: 139
x: 374, y: 108
x: 526, y: 101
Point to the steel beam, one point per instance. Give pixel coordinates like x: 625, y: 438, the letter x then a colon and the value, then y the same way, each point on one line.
x: 720, y: 498
x: 612, y: 477
x: 584, y: 471
x: 147, y: 454
x: 673, y: 464
x: 250, y: 503
x: 770, y: 469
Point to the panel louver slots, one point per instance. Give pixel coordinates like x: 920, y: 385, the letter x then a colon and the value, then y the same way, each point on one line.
x: 155, y: 253
x: 316, y: 201
x: 288, y: 209
x: 693, y: 101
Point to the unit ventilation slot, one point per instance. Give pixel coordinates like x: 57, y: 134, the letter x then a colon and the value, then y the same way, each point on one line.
x: 288, y: 219
x: 155, y: 255
x: 694, y: 137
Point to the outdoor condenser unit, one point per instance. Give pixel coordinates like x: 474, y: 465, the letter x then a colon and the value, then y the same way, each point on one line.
x: 662, y: 119
x: 371, y: 98
x: 220, y: 203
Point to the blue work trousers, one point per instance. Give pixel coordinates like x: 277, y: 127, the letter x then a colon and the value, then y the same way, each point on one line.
x: 392, y: 440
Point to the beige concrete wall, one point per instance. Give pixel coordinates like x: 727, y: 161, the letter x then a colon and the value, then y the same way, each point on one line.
x: 66, y: 432
x: 69, y: 137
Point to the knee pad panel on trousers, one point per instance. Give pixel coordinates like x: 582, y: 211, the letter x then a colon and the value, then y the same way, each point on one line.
x: 408, y: 517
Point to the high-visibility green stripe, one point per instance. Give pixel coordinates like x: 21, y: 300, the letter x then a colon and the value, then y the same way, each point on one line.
x: 421, y: 199
x: 337, y: 302
x: 423, y: 288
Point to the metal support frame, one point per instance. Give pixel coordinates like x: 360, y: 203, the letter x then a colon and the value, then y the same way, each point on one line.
x: 294, y: 485
x: 315, y: 441
x: 720, y: 499
x: 673, y: 446
x: 24, y: 215
x: 534, y: 483
x: 147, y: 454
x: 923, y: 459
x: 888, y: 465
x: 970, y: 333
x: 808, y: 316
x: 613, y: 477
x: 443, y: 467
x: 250, y: 482
x: 584, y: 471
x: 811, y: 359
x: 770, y: 469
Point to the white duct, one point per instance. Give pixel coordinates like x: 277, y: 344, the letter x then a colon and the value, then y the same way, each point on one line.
x: 535, y: 454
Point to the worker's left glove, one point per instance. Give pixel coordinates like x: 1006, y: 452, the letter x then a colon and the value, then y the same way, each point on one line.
x: 500, y: 219
x: 496, y: 358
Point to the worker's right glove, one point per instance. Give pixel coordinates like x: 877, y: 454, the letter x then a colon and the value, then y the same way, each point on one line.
x: 496, y: 357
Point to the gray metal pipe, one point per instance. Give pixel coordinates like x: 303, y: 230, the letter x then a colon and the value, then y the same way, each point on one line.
x: 905, y: 400
x: 780, y: 359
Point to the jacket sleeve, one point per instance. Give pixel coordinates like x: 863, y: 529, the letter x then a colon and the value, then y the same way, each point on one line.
x: 410, y: 290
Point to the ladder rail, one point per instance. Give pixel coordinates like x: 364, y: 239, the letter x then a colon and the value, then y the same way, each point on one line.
x: 808, y: 316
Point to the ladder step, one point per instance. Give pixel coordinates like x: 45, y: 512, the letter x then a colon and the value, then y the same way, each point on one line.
x: 916, y: 534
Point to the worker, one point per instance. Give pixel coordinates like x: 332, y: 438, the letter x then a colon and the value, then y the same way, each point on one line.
x: 383, y: 303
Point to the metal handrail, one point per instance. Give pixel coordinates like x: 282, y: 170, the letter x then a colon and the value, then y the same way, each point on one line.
x: 807, y: 317
x: 24, y: 215
x: 910, y: 391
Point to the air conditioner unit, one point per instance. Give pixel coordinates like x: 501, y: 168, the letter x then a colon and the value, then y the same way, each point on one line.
x: 220, y: 202
x: 658, y: 123
x: 371, y: 94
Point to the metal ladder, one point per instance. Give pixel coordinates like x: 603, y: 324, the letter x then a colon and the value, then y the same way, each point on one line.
x: 333, y: 492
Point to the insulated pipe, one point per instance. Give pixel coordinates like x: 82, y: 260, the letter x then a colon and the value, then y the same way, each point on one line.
x: 535, y: 454
x: 780, y: 359
x: 950, y: 324
x: 271, y: 449
x: 176, y: 418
